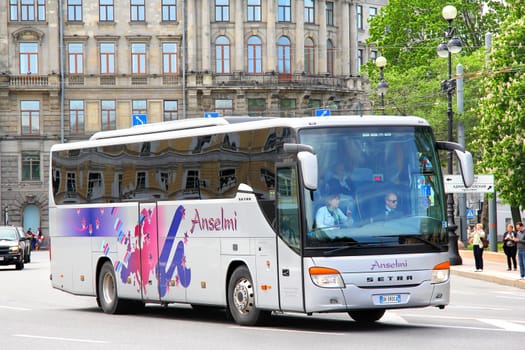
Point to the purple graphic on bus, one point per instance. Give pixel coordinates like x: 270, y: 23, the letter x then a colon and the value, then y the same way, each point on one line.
x: 140, y: 256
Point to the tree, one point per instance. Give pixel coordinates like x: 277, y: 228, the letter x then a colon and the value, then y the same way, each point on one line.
x: 414, y: 70
x: 499, y: 141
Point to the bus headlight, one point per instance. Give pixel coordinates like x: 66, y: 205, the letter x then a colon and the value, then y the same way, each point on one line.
x: 326, y: 277
x: 441, y: 272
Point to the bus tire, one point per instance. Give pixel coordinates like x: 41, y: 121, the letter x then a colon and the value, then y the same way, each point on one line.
x: 107, y: 291
x: 241, y: 299
x: 367, y: 316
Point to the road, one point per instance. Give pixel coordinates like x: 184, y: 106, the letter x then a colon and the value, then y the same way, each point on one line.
x: 482, y: 315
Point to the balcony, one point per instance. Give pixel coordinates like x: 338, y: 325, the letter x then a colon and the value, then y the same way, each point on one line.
x: 34, y: 82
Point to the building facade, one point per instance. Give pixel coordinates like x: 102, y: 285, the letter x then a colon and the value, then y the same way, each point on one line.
x: 70, y: 68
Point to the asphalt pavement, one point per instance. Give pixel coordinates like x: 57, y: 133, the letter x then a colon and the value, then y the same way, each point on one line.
x: 494, y: 268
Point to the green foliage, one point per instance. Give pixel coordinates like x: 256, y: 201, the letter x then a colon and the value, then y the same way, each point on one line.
x: 500, y: 143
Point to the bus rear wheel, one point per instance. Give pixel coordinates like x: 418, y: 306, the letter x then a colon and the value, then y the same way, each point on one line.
x: 241, y: 299
x: 107, y: 291
x: 367, y: 316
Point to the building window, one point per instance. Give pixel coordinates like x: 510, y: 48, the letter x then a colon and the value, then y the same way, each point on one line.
x: 287, y: 107
x: 373, y: 55
x: 256, y: 107
x: 372, y: 12
x: 254, y: 55
x: 31, y: 166
x: 137, y: 11
x: 108, y: 115
x: 138, y: 58
x: 27, y: 10
x: 141, y: 180
x: 254, y: 10
x: 222, y: 10
x: 28, y: 58
x: 74, y: 10
x: 30, y: 115
x: 169, y: 10
x: 222, y: 55
x: 139, y: 107
x: 106, y: 11
x: 359, y: 10
x: 169, y: 58
x: 284, y: 49
x: 309, y: 56
x: 71, y: 183
x: 284, y: 11
x: 224, y: 106
x: 170, y: 110
x: 330, y: 57
x: 107, y: 58
x: 309, y: 11
x: 359, y: 59
x: 76, y: 117
x: 76, y: 58
x: 330, y: 13
x: 192, y: 181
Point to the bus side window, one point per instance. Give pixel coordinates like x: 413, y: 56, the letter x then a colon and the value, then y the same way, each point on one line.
x: 288, y: 207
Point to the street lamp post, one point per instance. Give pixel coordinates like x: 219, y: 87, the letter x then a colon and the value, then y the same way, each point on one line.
x: 382, y: 87
x: 446, y: 49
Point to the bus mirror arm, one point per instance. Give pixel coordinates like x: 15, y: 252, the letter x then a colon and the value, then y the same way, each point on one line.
x: 466, y: 163
x: 297, y: 147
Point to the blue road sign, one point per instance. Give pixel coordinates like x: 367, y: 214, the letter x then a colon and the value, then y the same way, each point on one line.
x: 139, y: 119
x: 471, y: 213
x: 211, y: 114
x: 322, y: 112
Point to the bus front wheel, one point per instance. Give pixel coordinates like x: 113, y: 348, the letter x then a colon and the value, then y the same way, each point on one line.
x: 367, y: 316
x: 107, y: 291
x: 241, y: 299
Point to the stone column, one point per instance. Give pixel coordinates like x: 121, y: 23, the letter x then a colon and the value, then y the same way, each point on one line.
x: 349, y: 39
x: 239, y: 42
x: 271, y: 41
x: 191, y: 35
x: 322, y: 38
x: 205, y: 36
x: 299, y: 37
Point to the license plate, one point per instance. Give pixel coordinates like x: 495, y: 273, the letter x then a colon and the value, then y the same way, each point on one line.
x: 390, y: 299
x: 1, y: 258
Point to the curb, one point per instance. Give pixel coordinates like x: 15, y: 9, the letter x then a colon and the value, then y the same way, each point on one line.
x: 490, y: 278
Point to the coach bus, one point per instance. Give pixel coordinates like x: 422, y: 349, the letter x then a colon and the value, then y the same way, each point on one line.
x: 223, y: 212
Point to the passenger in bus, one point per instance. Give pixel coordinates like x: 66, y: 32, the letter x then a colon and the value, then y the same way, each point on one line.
x: 339, y: 182
x: 330, y: 215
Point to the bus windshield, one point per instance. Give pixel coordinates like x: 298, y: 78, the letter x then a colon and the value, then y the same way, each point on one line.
x: 379, y: 187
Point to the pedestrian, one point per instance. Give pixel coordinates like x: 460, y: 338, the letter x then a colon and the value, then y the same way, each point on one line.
x: 476, y: 239
x: 509, y: 247
x: 39, y: 238
x: 520, y: 242
x: 33, y: 238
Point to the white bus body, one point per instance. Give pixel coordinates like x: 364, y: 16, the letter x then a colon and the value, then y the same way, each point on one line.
x: 218, y: 214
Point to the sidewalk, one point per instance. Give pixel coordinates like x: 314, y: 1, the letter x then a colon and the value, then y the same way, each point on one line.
x: 494, y: 269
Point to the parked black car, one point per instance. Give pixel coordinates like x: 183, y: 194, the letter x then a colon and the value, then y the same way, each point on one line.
x: 12, y: 247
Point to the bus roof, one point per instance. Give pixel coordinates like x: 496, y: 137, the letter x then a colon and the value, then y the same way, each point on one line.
x: 206, y: 126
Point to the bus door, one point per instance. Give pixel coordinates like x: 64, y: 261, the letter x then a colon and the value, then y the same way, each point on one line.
x: 288, y: 224
x: 149, y: 248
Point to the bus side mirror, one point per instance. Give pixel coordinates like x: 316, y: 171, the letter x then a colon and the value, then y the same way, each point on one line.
x: 308, y: 165
x: 466, y: 167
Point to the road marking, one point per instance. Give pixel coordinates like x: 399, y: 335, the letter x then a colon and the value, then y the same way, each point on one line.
x: 77, y: 340
x: 506, y: 325
x: 14, y: 308
x: 284, y: 330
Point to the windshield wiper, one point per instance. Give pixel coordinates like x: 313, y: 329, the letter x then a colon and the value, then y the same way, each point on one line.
x: 420, y: 239
x: 352, y: 245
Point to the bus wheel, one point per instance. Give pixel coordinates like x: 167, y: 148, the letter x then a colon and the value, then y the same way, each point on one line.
x: 241, y: 298
x: 107, y: 291
x: 367, y: 316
